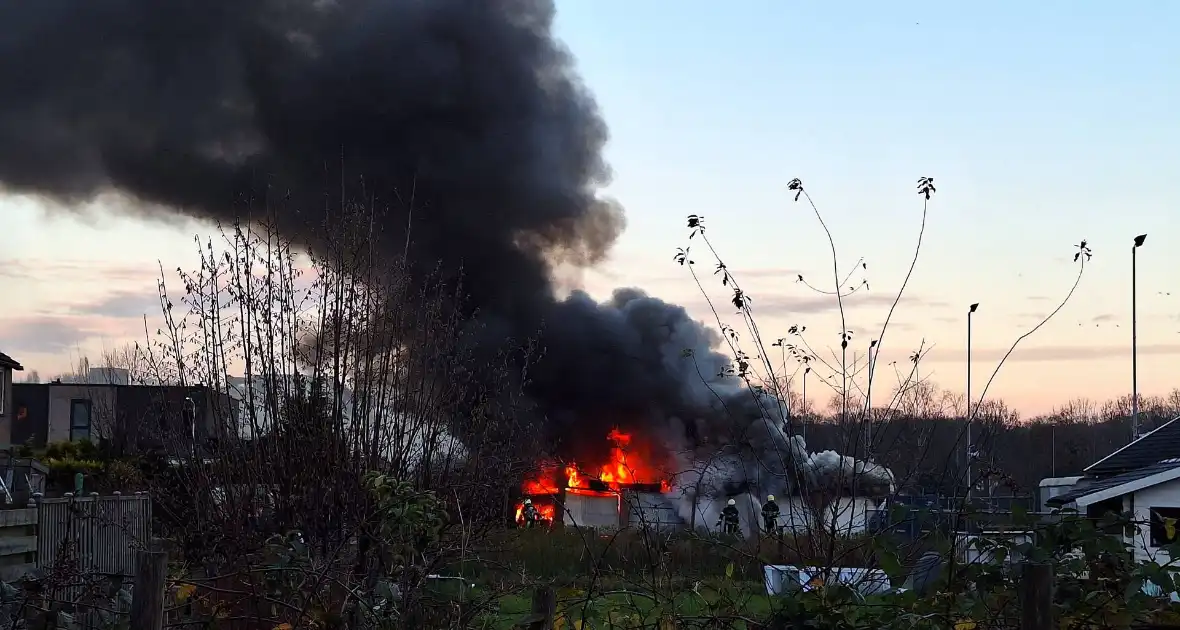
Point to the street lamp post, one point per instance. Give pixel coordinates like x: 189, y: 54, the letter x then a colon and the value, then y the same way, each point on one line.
x: 970, y: 311
x: 869, y: 407
x: 806, y: 371
x: 192, y: 409
x: 1135, y: 344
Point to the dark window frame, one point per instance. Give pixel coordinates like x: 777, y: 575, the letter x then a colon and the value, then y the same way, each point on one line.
x: 1158, y: 533
x: 5, y: 387
x: 75, y: 427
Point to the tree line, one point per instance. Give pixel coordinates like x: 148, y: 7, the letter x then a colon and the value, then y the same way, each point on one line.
x: 922, y: 438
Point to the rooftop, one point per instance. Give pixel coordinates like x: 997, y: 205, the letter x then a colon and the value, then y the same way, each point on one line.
x: 1088, y: 488
x: 10, y: 363
x: 1152, y: 447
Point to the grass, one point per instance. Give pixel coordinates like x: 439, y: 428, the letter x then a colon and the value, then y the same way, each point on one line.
x: 626, y: 581
x: 638, y: 610
x: 630, y: 580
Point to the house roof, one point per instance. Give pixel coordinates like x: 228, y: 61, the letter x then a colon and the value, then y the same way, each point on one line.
x: 1154, y: 446
x: 1057, y: 482
x: 10, y: 363
x: 1118, y: 485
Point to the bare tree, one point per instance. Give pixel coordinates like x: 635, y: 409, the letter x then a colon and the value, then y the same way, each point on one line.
x: 336, y: 364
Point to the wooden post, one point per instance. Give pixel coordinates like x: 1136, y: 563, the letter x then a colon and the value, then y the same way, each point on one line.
x: 147, y: 601
x: 627, y: 498
x: 562, y: 481
x: 1036, y: 596
x: 544, y: 608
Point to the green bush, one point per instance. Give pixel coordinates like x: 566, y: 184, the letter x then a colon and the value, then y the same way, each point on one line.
x: 101, y: 473
x: 80, y: 450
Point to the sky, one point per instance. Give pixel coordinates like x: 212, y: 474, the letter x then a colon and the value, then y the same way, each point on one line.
x: 1042, y: 124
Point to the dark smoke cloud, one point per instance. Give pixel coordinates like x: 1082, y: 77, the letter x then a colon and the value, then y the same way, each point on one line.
x: 195, y: 106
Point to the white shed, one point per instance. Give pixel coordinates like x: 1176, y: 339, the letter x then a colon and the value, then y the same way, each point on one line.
x: 1150, y: 494
x: 1051, y: 487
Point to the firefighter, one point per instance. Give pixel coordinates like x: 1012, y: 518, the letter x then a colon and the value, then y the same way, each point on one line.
x: 531, y: 515
x: 730, y: 519
x: 770, y: 514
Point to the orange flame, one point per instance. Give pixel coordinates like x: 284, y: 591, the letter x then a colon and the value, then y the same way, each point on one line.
x: 547, y: 512
x: 627, y: 466
x: 544, y: 481
x: 624, y: 468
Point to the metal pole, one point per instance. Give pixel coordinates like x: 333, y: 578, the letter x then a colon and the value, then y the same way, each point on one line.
x: 869, y: 410
x: 1053, y: 441
x: 970, y: 420
x: 1139, y: 240
x: 1134, y: 350
x: 805, y: 410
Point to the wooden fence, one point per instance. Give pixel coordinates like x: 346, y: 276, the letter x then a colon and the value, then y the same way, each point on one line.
x: 18, y: 543
x: 95, y: 535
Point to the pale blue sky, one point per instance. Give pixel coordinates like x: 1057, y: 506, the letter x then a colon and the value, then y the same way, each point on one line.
x: 1042, y: 123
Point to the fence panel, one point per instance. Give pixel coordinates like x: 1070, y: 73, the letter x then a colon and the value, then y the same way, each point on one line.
x: 18, y: 543
x: 96, y: 535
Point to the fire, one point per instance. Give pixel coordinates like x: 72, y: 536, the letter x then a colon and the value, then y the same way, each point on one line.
x: 546, y: 511
x: 627, y: 466
x: 544, y: 481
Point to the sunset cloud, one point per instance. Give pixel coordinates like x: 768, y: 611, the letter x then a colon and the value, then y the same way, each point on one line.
x: 43, y: 335
x: 1053, y: 353
x: 779, y: 305
x: 121, y: 304
x: 44, y: 270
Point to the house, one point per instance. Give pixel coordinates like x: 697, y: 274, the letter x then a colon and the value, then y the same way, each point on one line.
x: 1141, y: 479
x: 175, y: 419
x: 8, y: 365
x: 1050, y: 487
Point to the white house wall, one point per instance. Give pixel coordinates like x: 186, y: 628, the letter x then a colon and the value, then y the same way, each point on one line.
x: 795, y: 515
x: 584, y: 510
x: 845, y: 516
x: 849, y: 516
x: 651, y: 509
x: 1165, y: 495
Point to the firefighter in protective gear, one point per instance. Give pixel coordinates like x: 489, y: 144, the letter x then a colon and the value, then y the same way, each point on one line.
x: 730, y: 519
x: 770, y: 514
x: 531, y: 515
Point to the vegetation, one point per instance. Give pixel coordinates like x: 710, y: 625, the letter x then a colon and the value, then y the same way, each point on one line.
x: 339, y: 495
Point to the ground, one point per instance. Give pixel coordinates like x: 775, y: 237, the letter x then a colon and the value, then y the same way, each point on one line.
x: 617, y: 609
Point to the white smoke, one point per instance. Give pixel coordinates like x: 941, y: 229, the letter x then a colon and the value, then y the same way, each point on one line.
x: 407, y: 441
x: 769, y: 462
x: 414, y: 441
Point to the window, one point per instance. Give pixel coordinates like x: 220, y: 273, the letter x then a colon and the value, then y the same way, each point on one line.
x: 5, y: 377
x: 79, y: 420
x: 1165, y: 524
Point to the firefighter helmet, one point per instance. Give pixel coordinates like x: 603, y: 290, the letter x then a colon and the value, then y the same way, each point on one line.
x: 770, y: 497
x: 528, y: 501
x: 732, y: 502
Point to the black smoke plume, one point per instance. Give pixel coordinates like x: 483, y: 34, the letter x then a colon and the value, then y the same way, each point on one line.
x: 192, y: 106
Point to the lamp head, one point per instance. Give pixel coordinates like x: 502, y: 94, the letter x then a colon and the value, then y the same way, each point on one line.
x: 1139, y: 240
x: 973, y: 307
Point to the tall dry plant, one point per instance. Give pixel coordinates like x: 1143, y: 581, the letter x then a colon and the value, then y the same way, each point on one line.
x: 865, y: 422
x: 317, y: 369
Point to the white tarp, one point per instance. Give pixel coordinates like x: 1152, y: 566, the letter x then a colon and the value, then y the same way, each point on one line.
x: 780, y: 577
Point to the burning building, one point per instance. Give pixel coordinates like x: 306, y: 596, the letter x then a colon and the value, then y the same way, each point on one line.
x: 607, y: 496
x: 205, y: 108
x: 644, y: 488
